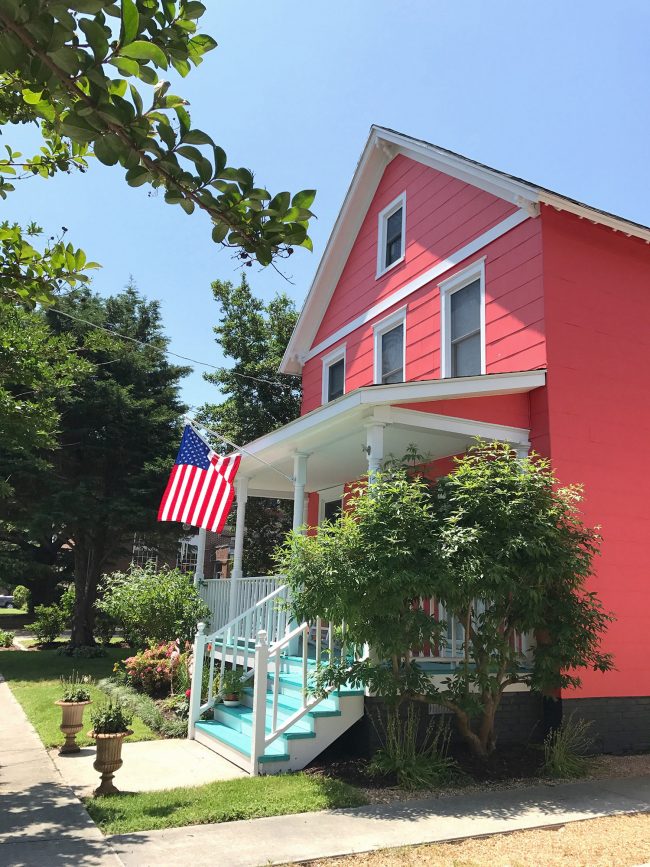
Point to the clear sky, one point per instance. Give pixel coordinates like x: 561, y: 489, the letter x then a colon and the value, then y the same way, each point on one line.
x: 554, y: 91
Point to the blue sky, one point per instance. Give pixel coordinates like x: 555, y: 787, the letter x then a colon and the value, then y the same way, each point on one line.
x: 552, y: 91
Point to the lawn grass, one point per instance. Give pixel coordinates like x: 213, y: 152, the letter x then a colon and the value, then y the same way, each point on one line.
x: 12, y: 611
x: 34, y: 679
x: 225, y: 801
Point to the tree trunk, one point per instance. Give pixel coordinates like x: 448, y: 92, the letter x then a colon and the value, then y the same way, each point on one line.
x: 86, y: 582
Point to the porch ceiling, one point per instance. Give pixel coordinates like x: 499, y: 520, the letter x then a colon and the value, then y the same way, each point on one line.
x: 334, y: 435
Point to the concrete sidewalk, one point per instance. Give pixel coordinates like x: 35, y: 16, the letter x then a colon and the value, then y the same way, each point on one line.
x: 306, y: 836
x: 41, y: 821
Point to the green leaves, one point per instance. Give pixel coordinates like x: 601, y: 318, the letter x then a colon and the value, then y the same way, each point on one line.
x: 85, y: 99
x: 141, y: 50
x: 130, y: 22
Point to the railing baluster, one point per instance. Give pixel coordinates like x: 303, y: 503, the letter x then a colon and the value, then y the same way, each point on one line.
x: 211, y: 676
x: 330, y: 639
x: 246, y: 630
x: 318, y: 641
x: 276, y: 689
x: 305, y: 652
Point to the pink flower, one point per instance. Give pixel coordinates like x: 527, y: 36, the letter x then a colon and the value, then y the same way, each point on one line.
x: 188, y: 693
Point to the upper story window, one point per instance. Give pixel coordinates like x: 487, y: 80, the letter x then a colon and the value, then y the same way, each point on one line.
x: 391, y: 235
x: 463, y: 322
x: 390, y: 348
x: 334, y: 374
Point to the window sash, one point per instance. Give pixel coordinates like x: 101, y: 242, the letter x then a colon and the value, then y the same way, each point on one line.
x: 393, y: 249
x: 336, y: 386
x: 390, y: 354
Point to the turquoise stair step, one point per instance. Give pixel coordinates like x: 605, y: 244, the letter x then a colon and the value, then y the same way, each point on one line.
x: 292, y: 703
x: 294, y: 682
x: 241, y: 718
x: 275, y: 752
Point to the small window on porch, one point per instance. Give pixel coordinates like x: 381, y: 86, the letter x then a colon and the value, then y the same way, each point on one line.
x: 389, y: 348
x: 332, y: 509
x: 334, y: 374
x: 330, y: 504
x: 391, y: 235
x: 463, y: 323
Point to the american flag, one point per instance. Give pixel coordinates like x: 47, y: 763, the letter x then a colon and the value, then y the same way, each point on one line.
x: 200, y: 488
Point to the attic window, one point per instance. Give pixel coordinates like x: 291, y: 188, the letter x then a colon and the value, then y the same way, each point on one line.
x: 334, y: 374
x: 391, y: 235
x: 389, y: 348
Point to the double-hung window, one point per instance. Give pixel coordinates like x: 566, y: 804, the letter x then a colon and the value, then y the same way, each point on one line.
x: 389, y: 348
x: 391, y: 235
x: 334, y: 374
x: 463, y: 322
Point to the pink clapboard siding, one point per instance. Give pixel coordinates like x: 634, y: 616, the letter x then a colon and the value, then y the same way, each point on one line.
x: 442, y: 215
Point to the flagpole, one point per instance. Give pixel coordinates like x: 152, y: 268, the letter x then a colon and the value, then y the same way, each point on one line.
x: 200, y: 557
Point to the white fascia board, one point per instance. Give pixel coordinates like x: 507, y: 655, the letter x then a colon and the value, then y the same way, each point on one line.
x: 594, y: 216
x: 357, y: 200
x: 451, y: 424
x: 403, y: 392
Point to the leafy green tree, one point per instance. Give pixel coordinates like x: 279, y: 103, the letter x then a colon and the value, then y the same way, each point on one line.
x: 258, y: 399
x: 498, y: 543
x: 119, y: 430
x: 86, y: 74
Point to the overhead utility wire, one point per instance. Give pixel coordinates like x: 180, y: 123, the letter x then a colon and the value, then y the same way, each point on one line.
x: 167, y: 351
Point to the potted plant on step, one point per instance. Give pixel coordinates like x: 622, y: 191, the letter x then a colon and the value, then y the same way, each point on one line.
x: 74, y: 698
x: 231, y: 686
x: 110, y: 726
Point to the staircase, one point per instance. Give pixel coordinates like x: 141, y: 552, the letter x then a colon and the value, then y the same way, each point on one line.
x: 279, y: 725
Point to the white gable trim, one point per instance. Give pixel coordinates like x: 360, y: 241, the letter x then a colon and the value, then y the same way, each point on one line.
x: 382, y: 146
x: 426, y: 277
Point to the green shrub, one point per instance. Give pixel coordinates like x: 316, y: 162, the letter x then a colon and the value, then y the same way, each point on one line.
x: 415, y: 765
x: 105, y: 627
x: 66, y: 604
x: 81, y: 652
x: 6, y: 638
x: 49, y: 623
x: 153, y: 670
x: 145, y: 708
x: 153, y: 606
x: 566, y: 748
x: 21, y: 597
x: 111, y: 718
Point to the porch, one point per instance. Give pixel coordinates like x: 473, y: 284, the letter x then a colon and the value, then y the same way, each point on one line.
x: 280, y: 724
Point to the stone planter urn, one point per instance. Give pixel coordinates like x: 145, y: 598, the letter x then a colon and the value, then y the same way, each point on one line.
x: 108, y: 759
x: 71, y: 724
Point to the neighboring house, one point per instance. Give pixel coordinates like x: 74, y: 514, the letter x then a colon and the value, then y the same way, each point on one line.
x: 183, y: 556
x: 455, y: 301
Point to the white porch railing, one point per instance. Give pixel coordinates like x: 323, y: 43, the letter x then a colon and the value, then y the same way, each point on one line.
x: 215, y: 592
x: 452, y: 647
x: 234, y: 643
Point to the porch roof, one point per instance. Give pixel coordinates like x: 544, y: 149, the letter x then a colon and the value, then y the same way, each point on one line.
x: 334, y: 435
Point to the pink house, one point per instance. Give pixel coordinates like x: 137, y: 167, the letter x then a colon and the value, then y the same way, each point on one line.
x: 455, y: 301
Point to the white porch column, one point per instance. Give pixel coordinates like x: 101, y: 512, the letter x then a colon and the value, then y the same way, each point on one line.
x: 241, y: 492
x: 200, y: 559
x: 521, y: 450
x: 374, y: 447
x: 299, y: 482
x: 305, y: 510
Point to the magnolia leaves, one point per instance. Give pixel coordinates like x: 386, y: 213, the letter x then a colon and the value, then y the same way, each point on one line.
x: 78, y: 67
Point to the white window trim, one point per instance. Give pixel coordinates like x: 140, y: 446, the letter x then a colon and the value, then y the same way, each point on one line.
x: 447, y: 288
x: 389, y: 210
x: 328, y: 360
x: 327, y: 496
x: 379, y: 329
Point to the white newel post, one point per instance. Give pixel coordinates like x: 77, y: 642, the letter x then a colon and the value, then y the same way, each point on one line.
x: 200, y: 559
x: 241, y: 493
x: 197, y: 678
x: 259, y: 700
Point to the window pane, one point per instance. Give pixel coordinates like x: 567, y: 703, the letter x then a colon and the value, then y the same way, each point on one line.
x: 392, y: 355
x: 335, y: 380
x: 466, y: 310
x: 332, y: 510
x: 393, y: 237
x: 466, y: 356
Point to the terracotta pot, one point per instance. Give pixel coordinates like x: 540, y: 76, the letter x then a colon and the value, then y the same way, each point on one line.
x: 108, y: 759
x: 72, y: 723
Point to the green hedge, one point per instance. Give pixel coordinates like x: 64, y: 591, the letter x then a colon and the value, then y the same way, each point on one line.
x: 145, y: 708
